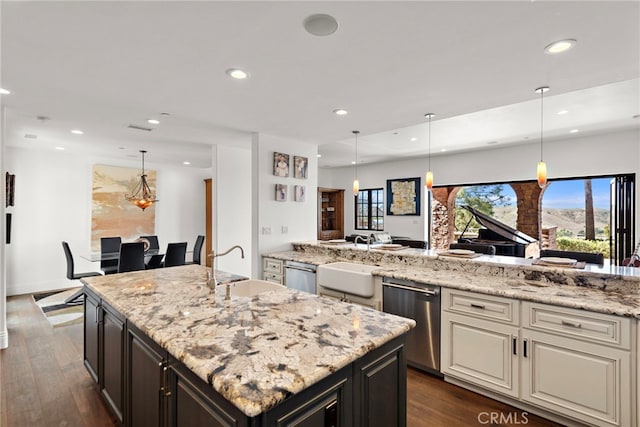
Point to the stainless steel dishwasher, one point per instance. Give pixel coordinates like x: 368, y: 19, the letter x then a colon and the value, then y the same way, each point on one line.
x: 420, y: 302
x: 300, y: 276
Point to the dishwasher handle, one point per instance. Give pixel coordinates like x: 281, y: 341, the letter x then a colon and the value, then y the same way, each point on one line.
x: 308, y: 270
x: 427, y: 292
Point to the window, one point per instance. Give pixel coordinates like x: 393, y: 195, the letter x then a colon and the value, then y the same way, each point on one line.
x: 370, y: 210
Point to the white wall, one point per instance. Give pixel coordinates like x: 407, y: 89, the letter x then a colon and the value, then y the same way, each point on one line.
x: 606, y: 154
x: 53, y: 203
x: 300, y: 218
x: 232, y: 207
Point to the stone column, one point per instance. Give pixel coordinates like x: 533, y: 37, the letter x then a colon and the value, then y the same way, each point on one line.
x: 529, y: 196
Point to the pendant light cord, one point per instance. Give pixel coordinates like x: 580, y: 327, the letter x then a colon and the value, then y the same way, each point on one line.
x: 429, y: 156
x: 541, y: 121
x: 356, y: 132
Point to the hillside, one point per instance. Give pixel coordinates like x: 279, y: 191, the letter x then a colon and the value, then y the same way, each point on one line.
x: 565, y: 219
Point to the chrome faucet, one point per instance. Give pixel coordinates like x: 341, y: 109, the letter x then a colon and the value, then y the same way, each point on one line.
x: 366, y: 239
x: 213, y: 257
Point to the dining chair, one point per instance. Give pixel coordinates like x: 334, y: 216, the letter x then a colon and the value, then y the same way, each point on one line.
x: 153, y: 241
x: 72, y: 275
x: 590, y: 257
x: 197, y: 250
x: 109, y: 245
x: 175, y: 255
x: 476, y: 247
x: 131, y: 257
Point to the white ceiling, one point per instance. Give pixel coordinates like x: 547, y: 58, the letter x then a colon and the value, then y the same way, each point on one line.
x: 99, y: 66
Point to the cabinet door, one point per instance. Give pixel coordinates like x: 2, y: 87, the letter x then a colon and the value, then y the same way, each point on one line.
x: 589, y: 382
x: 481, y: 352
x: 146, y: 396
x: 92, y: 335
x: 191, y: 406
x: 112, y: 361
x: 380, y: 387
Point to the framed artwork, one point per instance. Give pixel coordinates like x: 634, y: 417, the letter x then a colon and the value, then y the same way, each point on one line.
x: 299, y: 193
x: 281, y: 192
x: 403, y: 196
x: 281, y: 164
x: 300, y: 167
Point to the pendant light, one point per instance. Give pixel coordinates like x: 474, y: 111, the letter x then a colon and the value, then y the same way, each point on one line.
x: 142, y: 196
x: 428, y: 180
x: 542, y: 166
x: 356, y: 183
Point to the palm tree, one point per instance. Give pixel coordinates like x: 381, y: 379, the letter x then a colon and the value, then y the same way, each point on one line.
x: 589, y: 227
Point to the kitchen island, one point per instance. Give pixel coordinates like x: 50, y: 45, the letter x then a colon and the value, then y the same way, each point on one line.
x: 277, y: 358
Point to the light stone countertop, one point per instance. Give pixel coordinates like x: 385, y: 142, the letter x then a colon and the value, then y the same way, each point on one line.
x: 253, y: 351
x: 608, y: 289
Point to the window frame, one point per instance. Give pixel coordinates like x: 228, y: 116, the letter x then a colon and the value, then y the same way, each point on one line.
x: 370, y: 209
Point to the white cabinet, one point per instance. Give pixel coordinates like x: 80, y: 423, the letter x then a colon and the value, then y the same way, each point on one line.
x: 578, y: 364
x: 480, y: 340
x: 273, y: 270
x: 570, y: 362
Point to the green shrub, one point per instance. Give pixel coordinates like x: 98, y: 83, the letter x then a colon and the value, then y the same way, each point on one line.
x: 581, y: 245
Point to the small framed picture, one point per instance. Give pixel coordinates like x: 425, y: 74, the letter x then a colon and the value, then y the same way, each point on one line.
x: 281, y: 164
x: 299, y: 193
x: 300, y: 167
x: 281, y: 192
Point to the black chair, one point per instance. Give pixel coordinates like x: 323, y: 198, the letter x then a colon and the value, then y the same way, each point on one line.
x: 153, y: 241
x: 590, y: 257
x: 476, y: 247
x: 131, y: 257
x: 109, y: 245
x: 197, y: 250
x: 176, y: 254
x: 72, y: 275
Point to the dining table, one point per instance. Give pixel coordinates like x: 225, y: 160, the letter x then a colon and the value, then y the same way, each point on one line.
x: 108, y: 256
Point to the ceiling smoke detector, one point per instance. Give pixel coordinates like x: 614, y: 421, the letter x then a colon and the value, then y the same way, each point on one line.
x: 320, y: 24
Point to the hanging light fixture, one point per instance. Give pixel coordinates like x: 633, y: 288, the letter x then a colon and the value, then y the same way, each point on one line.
x: 428, y: 179
x: 542, y: 166
x: 356, y: 183
x: 142, y: 196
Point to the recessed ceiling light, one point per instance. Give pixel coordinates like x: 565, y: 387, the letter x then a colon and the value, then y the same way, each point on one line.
x: 237, y: 73
x: 574, y: 131
x: 186, y: 163
x: 353, y: 163
x: 320, y: 24
x: 60, y: 148
x: 495, y: 142
x: 319, y: 155
x: 153, y: 121
x: 77, y: 131
x: 560, y: 46
x: 120, y: 148
x: 340, y: 112
x: 4, y: 91
x: 414, y: 139
x: 562, y: 112
x: 443, y: 149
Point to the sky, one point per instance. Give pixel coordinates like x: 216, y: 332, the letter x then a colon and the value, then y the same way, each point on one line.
x: 569, y: 194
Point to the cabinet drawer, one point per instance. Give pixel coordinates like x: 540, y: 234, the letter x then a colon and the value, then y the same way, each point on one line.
x: 272, y: 277
x: 584, y: 325
x: 272, y: 265
x: 483, y: 306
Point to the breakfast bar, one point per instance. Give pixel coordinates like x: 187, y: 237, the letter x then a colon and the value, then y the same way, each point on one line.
x: 217, y: 358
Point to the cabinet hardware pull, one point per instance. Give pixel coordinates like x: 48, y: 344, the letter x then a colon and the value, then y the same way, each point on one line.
x: 97, y: 314
x: 524, y: 347
x: 515, y: 346
x: 480, y: 306
x: 572, y: 324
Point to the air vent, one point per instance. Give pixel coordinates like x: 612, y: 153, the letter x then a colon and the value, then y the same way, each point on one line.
x: 139, y: 128
x: 30, y: 136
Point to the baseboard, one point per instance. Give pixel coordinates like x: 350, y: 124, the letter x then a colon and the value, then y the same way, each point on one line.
x: 4, y: 339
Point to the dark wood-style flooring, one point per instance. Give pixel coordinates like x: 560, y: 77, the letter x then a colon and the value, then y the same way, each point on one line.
x: 43, y: 382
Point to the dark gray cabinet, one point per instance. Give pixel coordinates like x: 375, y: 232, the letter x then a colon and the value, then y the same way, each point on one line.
x: 145, y: 386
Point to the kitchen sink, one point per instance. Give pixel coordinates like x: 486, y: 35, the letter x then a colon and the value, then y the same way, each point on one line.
x: 251, y: 287
x: 348, y: 277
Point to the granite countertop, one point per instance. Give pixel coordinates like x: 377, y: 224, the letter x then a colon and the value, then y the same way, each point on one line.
x: 608, y: 289
x: 253, y: 351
